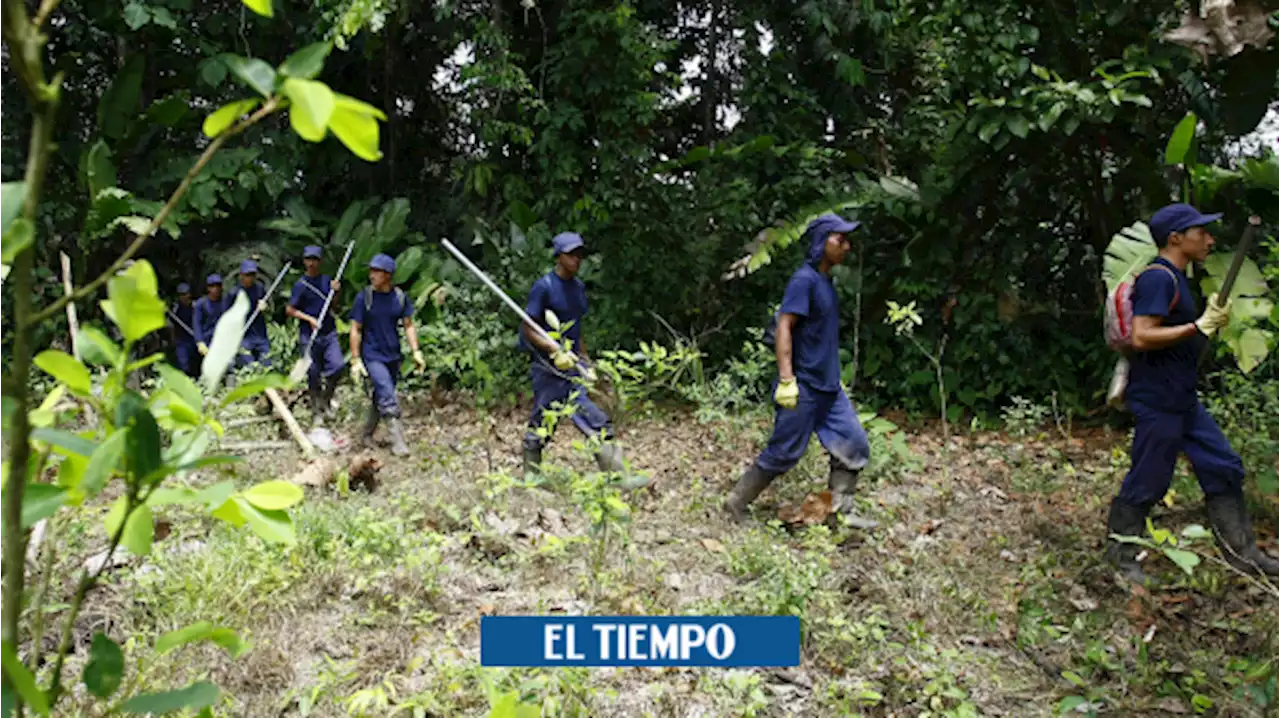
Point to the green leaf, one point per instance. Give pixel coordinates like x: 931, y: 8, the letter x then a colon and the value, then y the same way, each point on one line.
x: 105, y: 460
x: 1073, y: 677
x: 1196, y: 531
x: 12, y: 196
x: 136, y: 15
x: 1176, y: 151
x: 22, y: 681
x: 1130, y: 250
x: 989, y: 130
x: 138, y: 531
x: 355, y: 124
x: 1186, y: 560
x: 306, y: 64
x: 217, y: 495
x: 105, y: 669
x: 311, y: 106
x: 272, y: 526
x: 225, y: 344
x: 1017, y: 124
x: 119, y: 104
x: 274, y: 495
x: 225, y: 116
x: 1070, y: 703
x: 133, y: 302
x: 97, y: 348
x: 99, y: 172
x: 230, y: 512
x: 108, y: 205
x: 21, y: 235
x: 65, y: 440
x: 407, y: 264
x: 254, y: 73
x: 262, y: 7
x: 202, y: 631
x: 143, y: 444
x: 162, y: 17
x: 213, y: 71
x: 40, y: 501
x: 181, y: 385
x: 255, y: 387
x: 194, y: 697
x: 1250, y: 347
x: 66, y: 369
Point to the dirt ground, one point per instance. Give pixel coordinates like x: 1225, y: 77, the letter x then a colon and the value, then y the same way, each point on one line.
x: 982, y: 592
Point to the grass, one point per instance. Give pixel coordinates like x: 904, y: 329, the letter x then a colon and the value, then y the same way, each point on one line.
x: 983, y: 593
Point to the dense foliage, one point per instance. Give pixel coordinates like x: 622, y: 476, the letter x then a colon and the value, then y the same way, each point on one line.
x: 671, y: 135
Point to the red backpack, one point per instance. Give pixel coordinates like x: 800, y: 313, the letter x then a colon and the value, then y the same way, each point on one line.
x: 1117, y: 323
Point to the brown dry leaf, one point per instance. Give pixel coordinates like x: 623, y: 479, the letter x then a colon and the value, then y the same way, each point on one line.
x: 162, y: 530
x: 712, y: 545
x: 930, y: 526
x: 1135, y: 610
x: 813, y: 510
x: 1171, y: 706
x: 316, y: 473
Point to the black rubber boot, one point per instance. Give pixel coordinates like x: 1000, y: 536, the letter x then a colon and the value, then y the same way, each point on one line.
x: 396, y: 429
x: 532, y: 460
x: 753, y: 481
x: 326, y: 397
x: 370, y: 425
x: 1231, y: 526
x: 609, y: 458
x: 1126, y: 520
x: 842, y: 482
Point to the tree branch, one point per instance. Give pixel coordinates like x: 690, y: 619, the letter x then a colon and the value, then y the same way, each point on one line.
x: 93, y: 286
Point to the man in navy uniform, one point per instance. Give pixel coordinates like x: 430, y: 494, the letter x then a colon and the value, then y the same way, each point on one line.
x: 808, y: 392
x: 376, y: 318
x: 184, y: 342
x: 1168, y: 339
x: 207, y: 311
x: 254, y: 346
x: 305, y: 304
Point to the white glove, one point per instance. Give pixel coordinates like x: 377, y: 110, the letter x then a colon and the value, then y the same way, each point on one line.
x: 1214, y: 317
x: 262, y: 306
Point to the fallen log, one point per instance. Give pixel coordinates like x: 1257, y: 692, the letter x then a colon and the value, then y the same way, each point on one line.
x: 282, y: 410
x: 255, y: 445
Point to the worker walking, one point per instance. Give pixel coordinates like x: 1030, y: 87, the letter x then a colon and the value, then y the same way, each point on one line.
x: 377, y: 315
x: 206, y: 312
x: 305, y: 305
x: 808, y: 392
x: 553, y: 369
x: 182, y: 330
x: 254, y: 345
x: 1167, y: 340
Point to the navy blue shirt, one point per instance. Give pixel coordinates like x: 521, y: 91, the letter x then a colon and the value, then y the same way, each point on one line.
x: 205, y: 315
x: 184, y: 314
x: 308, y: 297
x: 566, y: 297
x: 1165, y: 379
x: 255, y: 294
x: 380, y: 325
x: 815, y: 337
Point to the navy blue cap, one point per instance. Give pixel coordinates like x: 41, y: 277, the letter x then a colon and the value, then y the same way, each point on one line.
x: 566, y: 242
x: 213, y: 279
x: 822, y: 227
x: 383, y: 262
x: 184, y: 288
x: 311, y: 251
x: 248, y: 266
x: 1178, y: 218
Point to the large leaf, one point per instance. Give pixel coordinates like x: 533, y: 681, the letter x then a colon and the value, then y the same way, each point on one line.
x: 108, y: 206
x: 133, y: 301
x: 66, y: 369
x: 193, y: 697
x: 306, y: 64
x: 274, y: 495
x: 1250, y: 347
x: 1130, y: 250
x: 262, y: 7
x: 1176, y: 151
x: 271, y: 526
x: 407, y: 264
x: 355, y: 124
x: 139, y: 530
x: 347, y: 223
x: 65, y: 441
x: 201, y: 631
x: 119, y: 104
x: 104, y: 461
x: 225, y: 116
x: 225, y: 344
x: 22, y: 681
x: 255, y: 387
x: 97, y: 348
x: 97, y: 170
x: 21, y: 234
x: 182, y: 385
x: 40, y: 501
x: 12, y: 195
x: 254, y: 73
x: 142, y: 448
x: 311, y: 106
x: 105, y: 669
x: 392, y: 220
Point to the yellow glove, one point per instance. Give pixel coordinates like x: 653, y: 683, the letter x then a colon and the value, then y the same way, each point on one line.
x: 1214, y: 317
x: 202, y: 348
x: 357, y: 370
x: 262, y: 306
x: 420, y: 360
x: 589, y: 375
x: 787, y: 393
x: 564, y: 360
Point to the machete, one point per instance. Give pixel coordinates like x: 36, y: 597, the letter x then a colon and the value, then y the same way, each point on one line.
x: 1237, y: 261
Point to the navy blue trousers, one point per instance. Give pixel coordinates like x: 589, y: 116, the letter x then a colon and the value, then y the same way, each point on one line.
x: 384, y: 376
x: 549, y: 389
x: 1160, y: 436
x: 831, y: 415
x: 326, y: 357
x: 254, y: 349
x: 188, y: 357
